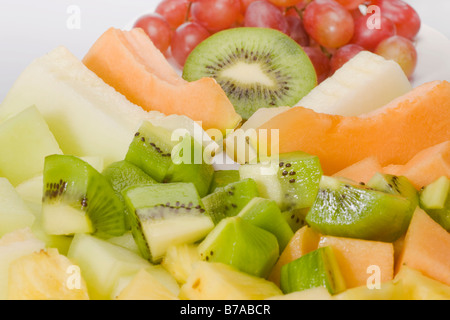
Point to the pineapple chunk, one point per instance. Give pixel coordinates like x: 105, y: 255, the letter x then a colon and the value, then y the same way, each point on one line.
x: 218, y: 281
x: 317, y: 293
x: 145, y: 286
x: 413, y: 285
x: 45, y: 275
x: 179, y: 259
x: 13, y: 246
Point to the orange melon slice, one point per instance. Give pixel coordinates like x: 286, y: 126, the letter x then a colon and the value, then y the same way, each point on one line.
x: 392, y: 134
x: 426, y: 166
x: 359, y: 259
x: 130, y: 62
x: 304, y: 240
x: 361, y: 171
x: 426, y: 248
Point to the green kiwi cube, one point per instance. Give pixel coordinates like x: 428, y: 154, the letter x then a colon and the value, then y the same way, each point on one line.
x: 166, y: 159
x: 435, y: 200
x: 164, y: 215
x: 291, y: 179
x: 241, y: 244
x: 222, y: 178
x: 256, y: 67
x: 317, y: 268
x: 264, y: 213
x: 229, y: 200
x: 355, y: 211
x: 79, y: 199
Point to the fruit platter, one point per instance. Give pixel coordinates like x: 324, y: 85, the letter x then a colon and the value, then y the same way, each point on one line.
x: 230, y: 150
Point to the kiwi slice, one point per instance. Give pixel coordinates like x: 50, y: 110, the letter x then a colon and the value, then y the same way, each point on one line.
x: 264, y: 213
x: 167, y: 160
x: 239, y: 243
x: 295, y: 218
x: 317, y: 268
x: 355, y: 211
x: 79, y: 199
x: 292, y: 179
x: 256, y: 67
x: 435, y: 200
x: 222, y: 178
x: 164, y: 215
x: 229, y: 200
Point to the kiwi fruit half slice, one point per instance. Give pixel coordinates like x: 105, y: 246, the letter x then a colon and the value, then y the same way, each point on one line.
x: 229, y: 200
x: 222, y: 178
x: 243, y: 245
x: 79, y: 199
x: 256, y: 67
x: 292, y: 180
x: 318, y: 268
x: 165, y: 159
x: 344, y: 209
x: 166, y: 214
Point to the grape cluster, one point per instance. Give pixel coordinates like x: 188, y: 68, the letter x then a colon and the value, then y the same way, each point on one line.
x: 330, y: 31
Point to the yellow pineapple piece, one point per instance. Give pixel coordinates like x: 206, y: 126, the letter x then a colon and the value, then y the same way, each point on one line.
x: 413, y: 285
x: 318, y: 293
x: 386, y: 291
x: 45, y: 275
x: 145, y: 286
x: 218, y: 281
x: 179, y: 259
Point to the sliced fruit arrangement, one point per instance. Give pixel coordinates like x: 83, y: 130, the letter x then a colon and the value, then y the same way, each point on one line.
x: 101, y: 198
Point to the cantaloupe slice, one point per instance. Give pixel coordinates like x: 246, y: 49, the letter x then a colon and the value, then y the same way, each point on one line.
x: 426, y: 248
x: 361, y: 171
x: 129, y: 62
x: 304, y: 240
x: 362, y: 261
x: 426, y: 166
x: 393, y: 133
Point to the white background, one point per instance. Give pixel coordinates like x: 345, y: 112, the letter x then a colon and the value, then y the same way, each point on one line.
x: 30, y: 28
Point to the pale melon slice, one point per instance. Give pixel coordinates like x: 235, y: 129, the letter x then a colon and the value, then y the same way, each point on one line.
x: 14, y: 213
x: 365, y: 83
x: 25, y: 140
x: 13, y: 246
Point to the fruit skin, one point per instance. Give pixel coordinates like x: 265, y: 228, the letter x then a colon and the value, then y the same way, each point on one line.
x: 218, y: 281
x: 185, y: 38
x: 46, y: 275
x: 370, y: 38
x: 344, y: 209
x: 341, y: 141
x: 318, y: 268
x: 26, y: 140
x: 157, y: 28
x: 112, y: 58
x: 401, y: 50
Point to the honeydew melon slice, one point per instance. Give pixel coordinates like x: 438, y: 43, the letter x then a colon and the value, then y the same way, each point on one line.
x: 25, y: 140
x: 86, y: 116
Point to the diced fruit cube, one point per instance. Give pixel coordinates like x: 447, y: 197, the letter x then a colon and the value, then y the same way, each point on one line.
x: 219, y: 281
x: 435, y: 200
x: 179, y: 261
x: 14, y: 213
x: 46, y: 275
x: 25, y: 140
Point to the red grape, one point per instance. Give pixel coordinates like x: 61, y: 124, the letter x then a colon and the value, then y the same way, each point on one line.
x: 285, y: 3
x: 297, y: 30
x: 216, y: 15
x: 405, y: 18
x: 265, y: 15
x: 401, y: 50
x: 350, y: 4
x: 174, y: 11
x: 157, y: 28
x: 344, y: 54
x: 328, y: 23
x: 185, y: 39
x: 245, y: 4
x: 320, y: 62
x: 369, y: 36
